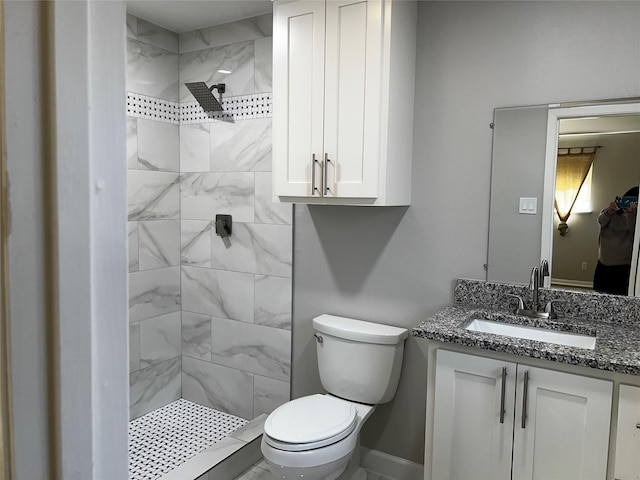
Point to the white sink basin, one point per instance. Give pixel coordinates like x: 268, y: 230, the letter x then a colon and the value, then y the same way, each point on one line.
x: 533, y: 333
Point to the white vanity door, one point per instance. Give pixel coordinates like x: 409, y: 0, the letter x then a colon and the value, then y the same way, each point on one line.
x: 566, y: 430
x: 469, y: 440
x: 298, y: 92
x: 627, y: 464
x: 353, y: 71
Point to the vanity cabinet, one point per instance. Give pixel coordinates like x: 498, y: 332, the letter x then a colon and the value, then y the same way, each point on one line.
x: 343, y: 83
x: 627, y: 458
x: 503, y: 420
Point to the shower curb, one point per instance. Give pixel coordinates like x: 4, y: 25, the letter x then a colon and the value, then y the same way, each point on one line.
x: 225, y: 459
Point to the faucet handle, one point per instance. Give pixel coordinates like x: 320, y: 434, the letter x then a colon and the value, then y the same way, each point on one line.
x: 549, y: 308
x: 520, y: 301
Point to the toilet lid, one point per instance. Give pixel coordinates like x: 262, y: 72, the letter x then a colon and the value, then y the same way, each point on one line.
x: 315, y: 419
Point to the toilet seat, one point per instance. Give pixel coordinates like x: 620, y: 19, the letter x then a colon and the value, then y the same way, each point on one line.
x: 310, y: 422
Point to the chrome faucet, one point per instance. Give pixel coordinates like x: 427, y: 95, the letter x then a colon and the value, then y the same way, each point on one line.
x: 534, y: 288
x: 534, y: 307
x: 535, y: 282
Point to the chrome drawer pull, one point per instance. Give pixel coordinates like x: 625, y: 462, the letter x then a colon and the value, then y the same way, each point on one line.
x: 314, y: 189
x: 504, y: 382
x: 525, y: 393
x: 327, y: 161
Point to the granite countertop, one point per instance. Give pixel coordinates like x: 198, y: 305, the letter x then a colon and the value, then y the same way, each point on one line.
x: 617, y: 346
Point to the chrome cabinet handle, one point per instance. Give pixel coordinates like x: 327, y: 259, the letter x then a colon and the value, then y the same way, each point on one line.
x: 325, y: 182
x: 525, y: 393
x: 502, y: 394
x: 313, y: 174
x: 314, y: 189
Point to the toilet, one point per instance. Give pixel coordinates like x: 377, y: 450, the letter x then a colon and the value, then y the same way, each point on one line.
x: 315, y: 437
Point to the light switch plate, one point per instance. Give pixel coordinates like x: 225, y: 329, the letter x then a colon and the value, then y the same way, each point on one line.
x: 528, y: 205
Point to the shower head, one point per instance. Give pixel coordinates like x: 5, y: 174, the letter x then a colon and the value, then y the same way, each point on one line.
x: 204, y: 95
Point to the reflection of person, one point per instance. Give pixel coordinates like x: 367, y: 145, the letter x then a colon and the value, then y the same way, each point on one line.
x: 615, y: 245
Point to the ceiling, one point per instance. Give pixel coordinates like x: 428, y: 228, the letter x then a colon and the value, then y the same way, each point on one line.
x: 186, y: 15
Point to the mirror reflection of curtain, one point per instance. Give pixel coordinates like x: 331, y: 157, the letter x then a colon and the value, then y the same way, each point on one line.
x: 571, y: 171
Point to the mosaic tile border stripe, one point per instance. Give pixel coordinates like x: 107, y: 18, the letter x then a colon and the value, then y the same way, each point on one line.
x: 151, y: 108
x: 239, y: 107
x: 257, y: 105
x: 167, y: 437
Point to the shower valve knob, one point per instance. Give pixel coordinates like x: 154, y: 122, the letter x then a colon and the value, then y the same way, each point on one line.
x: 223, y: 225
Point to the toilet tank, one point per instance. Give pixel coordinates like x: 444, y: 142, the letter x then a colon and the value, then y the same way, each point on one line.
x: 359, y: 360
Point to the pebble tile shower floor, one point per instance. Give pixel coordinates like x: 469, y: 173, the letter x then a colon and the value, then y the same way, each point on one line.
x: 165, y: 438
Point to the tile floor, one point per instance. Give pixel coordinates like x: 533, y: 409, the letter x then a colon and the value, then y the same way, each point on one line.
x: 183, y: 429
x: 259, y: 471
x: 167, y: 437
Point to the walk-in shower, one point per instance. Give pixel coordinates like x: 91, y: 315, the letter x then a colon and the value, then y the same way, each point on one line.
x: 209, y: 325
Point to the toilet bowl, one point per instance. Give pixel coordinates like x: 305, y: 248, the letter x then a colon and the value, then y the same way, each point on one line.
x: 316, y: 437
x: 313, y: 437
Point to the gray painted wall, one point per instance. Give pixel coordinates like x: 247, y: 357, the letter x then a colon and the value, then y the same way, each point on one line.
x: 399, y: 265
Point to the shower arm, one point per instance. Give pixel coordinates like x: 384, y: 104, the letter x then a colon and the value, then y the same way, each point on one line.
x: 221, y: 87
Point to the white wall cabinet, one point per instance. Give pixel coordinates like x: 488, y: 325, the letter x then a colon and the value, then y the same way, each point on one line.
x: 343, y: 87
x: 627, y: 457
x: 502, y: 420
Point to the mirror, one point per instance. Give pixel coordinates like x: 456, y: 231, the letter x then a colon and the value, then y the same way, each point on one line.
x: 526, y: 144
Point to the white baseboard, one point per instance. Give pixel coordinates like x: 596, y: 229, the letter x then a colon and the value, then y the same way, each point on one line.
x: 389, y: 465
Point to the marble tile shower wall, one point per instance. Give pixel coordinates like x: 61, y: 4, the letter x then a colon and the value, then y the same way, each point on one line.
x: 210, y: 319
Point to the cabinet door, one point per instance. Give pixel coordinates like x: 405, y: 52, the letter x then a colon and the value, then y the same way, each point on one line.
x: 352, y: 97
x: 469, y: 439
x: 298, y: 96
x: 627, y: 466
x: 565, y: 434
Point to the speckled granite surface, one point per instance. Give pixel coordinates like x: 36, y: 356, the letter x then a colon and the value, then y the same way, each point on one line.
x: 571, y: 303
x: 614, y: 320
